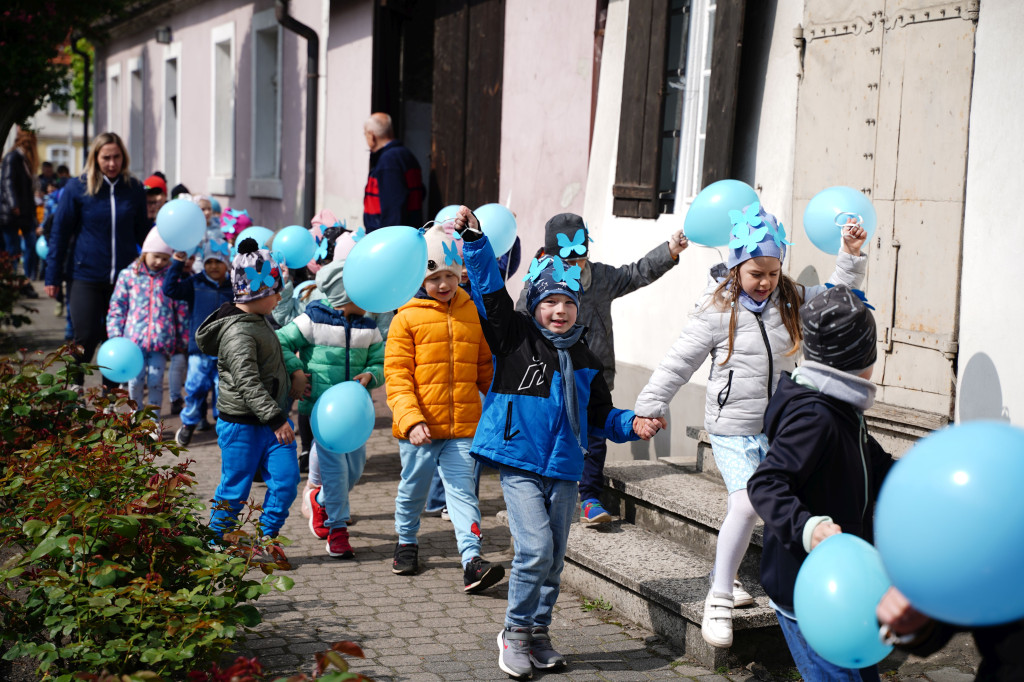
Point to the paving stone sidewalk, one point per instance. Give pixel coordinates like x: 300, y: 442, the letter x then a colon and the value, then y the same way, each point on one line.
x: 424, y: 627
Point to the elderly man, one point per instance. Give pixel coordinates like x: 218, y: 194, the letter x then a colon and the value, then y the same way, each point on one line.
x: 394, y: 191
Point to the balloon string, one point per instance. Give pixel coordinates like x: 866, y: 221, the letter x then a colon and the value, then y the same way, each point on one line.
x: 859, y: 217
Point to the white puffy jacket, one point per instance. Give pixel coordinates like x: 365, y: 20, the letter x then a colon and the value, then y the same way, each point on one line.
x: 738, y: 391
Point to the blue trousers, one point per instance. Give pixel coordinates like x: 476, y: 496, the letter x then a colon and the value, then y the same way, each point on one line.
x: 592, y: 482
x: 150, y: 382
x: 338, y: 474
x: 813, y: 667
x: 436, y: 499
x: 244, y: 450
x: 202, y: 376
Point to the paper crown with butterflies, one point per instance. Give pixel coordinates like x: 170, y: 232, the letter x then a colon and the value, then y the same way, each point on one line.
x: 755, y: 233
x: 551, y: 275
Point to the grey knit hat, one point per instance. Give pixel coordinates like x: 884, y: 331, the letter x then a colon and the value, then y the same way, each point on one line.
x: 574, y: 241
x: 839, y: 330
x: 254, y: 274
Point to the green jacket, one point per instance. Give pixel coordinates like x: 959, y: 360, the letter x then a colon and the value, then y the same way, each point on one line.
x: 332, y: 348
x: 254, y: 383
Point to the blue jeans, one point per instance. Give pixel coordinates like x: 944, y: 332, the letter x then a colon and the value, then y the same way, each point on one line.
x: 339, y: 473
x: 176, y: 372
x: 202, y: 376
x: 419, y: 462
x: 150, y: 380
x: 813, y: 667
x: 244, y: 450
x: 592, y: 482
x: 540, y: 510
x: 436, y: 500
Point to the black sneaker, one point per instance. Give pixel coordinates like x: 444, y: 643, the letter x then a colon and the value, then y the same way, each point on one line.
x: 479, y: 575
x: 184, y: 434
x: 304, y: 462
x: 177, y: 405
x: 406, y: 559
x: 205, y: 425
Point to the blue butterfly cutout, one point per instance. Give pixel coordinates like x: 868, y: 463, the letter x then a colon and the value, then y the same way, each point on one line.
x: 858, y: 293
x: 277, y: 257
x: 220, y: 247
x: 750, y: 239
x: 570, y: 276
x: 748, y: 216
x: 321, y: 251
x: 536, y: 267
x: 779, y: 236
x: 258, y: 279
x: 578, y: 244
x: 451, y: 254
x: 361, y: 232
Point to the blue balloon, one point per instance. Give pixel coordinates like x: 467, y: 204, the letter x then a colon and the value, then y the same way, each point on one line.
x: 120, y: 359
x: 498, y: 223
x: 343, y: 417
x: 829, y: 210
x: 447, y: 213
x: 837, y: 589
x: 296, y: 245
x: 386, y: 268
x: 707, y: 220
x: 946, y: 524
x: 181, y: 224
x: 42, y: 248
x: 261, y: 234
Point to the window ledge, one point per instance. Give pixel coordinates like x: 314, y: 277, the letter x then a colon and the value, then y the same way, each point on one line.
x: 266, y: 188
x: 222, y: 186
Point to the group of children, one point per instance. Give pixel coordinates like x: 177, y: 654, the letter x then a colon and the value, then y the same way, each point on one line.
x: 546, y: 407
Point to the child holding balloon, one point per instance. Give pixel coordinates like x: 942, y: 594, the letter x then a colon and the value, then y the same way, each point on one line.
x: 335, y: 342
x: 141, y: 312
x: 748, y: 323
x: 823, y: 470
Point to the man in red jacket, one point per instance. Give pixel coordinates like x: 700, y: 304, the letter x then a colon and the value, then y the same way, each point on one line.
x: 394, y: 191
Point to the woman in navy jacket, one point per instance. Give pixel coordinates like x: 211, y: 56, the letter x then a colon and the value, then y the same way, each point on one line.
x: 101, y: 219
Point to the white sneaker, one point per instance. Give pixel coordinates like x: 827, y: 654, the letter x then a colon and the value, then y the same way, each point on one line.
x: 716, y: 628
x: 740, y: 597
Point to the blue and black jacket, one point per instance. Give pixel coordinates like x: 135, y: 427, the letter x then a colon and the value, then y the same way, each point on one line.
x: 203, y: 295
x: 524, y: 423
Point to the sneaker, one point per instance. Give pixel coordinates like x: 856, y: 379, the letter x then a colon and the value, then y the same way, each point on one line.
x: 444, y: 515
x: 337, y: 544
x: 304, y: 462
x: 716, y: 627
x: 184, y: 434
x: 479, y: 575
x: 307, y: 509
x: 205, y: 425
x: 593, y: 512
x: 542, y: 654
x: 317, y: 515
x: 514, y: 652
x: 406, y: 559
x: 58, y: 310
x: 740, y: 597
x: 177, y: 405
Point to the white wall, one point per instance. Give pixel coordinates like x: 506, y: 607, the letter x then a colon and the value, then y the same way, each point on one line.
x: 991, y: 363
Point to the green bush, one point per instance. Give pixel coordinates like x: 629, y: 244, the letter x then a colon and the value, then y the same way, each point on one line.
x: 112, y: 568
x: 10, y: 295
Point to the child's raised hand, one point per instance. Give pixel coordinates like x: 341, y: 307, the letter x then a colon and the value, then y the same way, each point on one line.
x: 180, y: 255
x: 677, y: 243
x: 419, y: 434
x: 823, y: 530
x: 467, y: 225
x: 365, y: 378
x: 854, y: 237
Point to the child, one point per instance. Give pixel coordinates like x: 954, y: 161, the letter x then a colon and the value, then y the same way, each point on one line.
x: 566, y: 235
x: 547, y: 389
x: 748, y: 323
x: 336, y: 342
x: 823, y: 470
x: 204, y: 293
x: 437, y: 364
x: 253, y: 430
x: 140, y: 311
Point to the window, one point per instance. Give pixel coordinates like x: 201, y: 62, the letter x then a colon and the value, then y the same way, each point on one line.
x: 265, y: 180
x: 61, y: 154
x: 171, y: 112
x: 681, y: 178
x: 136, y: 132
x: 114, y: 99
x: 222, y: 126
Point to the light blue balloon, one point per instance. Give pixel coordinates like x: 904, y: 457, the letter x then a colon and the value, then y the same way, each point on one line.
x: 947, y: 521
x: 828, y: 211
x: 386, y: 268
x: 181, y: 224
x: 447, y: 213
x: 343, y: 417
x: 261, y: 234
x: 498, y: 223
x: 296, y: 245
x: 42, y: 248
x: 707, y: 220
x: 120, y: 359
x: 837, y: 589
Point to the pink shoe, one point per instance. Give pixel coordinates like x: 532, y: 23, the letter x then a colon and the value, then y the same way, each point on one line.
x: 318, y: 518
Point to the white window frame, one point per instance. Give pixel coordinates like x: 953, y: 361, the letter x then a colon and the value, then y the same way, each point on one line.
x: 69, y: 151
x: 171, y: 52
x: 695, y: 103
x: 266, y: 187
x: 136, y: 126
x: 114, y: 96
x: 222, y: 183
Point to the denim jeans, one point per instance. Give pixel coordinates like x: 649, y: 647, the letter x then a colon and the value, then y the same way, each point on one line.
x: 540, y: 511
x: 202, y: 376
x: 436, y: 500
x: 244, y: 450
x: 338, y: 473
x: 176, y: 373
x: 419, y: 462
x: 150, y: 380
x: 813, y: 667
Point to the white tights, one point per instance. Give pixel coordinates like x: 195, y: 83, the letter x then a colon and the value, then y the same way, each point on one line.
x: 733, y: 540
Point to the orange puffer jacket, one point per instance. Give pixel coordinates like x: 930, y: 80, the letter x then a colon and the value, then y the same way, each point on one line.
x: 435, y: 367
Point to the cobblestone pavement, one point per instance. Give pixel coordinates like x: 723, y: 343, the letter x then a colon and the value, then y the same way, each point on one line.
x: 424, y: 627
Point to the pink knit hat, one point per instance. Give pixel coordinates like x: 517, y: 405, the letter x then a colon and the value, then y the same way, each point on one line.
x: 154, y: 244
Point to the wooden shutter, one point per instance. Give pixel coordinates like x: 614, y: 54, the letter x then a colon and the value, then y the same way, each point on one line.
x: 725, y: 74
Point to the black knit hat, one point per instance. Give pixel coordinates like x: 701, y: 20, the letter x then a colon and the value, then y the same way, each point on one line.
x: 839, y: 330
x: 575, y: 243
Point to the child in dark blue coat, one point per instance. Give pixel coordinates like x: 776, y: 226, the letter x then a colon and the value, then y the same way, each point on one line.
x: 546, y: 395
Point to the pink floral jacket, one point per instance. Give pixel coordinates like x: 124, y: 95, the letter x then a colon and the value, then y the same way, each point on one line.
x: 140, y: 311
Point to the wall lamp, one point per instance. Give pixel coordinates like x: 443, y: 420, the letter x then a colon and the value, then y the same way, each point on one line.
x: 163, y: 35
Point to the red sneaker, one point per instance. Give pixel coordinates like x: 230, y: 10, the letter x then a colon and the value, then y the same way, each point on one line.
x: 318, y: 517
x: 337, y: 544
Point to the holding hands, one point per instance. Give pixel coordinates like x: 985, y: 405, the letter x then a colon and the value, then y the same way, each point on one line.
x: 647, y: 427
x: 853, y: 237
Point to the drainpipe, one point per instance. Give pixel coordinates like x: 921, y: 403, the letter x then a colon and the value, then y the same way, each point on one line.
x: 312, y: 74
x: 86, y: 89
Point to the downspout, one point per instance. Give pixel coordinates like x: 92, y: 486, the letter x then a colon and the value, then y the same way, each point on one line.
x: 86, y: 89
x: 312, y: 75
